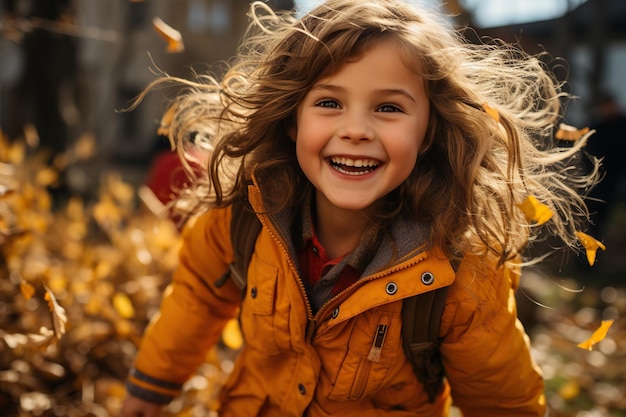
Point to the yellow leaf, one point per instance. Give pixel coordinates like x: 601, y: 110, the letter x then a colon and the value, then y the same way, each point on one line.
x: 122, y: 192
x: 567, y: 132
x: 597, y: 336
x: 172, y: 36
x: 166, y: 121
x: 27, y: 289
x: 569, y: 390
x: 46, y: 177
x: 491, y: 112
x: 231, y: 336
x: 17, y: 152
x: 58, y: 314
x: 85, y: 147
x: 106, y: 212
x: 591, y: 246
x: 534, y: 211
x: 123, y: 306
x: 75, y: 209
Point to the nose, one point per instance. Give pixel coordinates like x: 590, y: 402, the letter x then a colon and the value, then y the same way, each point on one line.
x: 356, y: 126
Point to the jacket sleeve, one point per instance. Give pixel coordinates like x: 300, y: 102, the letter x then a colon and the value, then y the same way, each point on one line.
x: 193, y: 312
x: 485, y: 349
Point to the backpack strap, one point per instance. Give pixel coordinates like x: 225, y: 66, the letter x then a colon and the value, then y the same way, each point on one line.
x: 421, y: 317
x: 245, y: 227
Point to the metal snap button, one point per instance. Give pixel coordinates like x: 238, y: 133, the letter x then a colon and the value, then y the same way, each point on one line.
x: 428, y: 278
x: 253, y: 292
x: 335, y: 313
x: 302, y: 389
x: 391, y: 288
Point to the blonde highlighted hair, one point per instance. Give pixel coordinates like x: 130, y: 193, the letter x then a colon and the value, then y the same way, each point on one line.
x: 474, y: 168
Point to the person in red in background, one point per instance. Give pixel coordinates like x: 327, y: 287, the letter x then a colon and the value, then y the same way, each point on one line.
x: 167, y: 178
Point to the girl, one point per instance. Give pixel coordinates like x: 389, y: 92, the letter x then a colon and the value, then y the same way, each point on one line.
x: 375, y: 146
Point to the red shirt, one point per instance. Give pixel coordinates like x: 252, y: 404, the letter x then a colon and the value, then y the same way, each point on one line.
x: 314, y: 263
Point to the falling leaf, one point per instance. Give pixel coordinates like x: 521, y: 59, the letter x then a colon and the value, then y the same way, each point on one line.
x: 597, y: 336
x: 491, y: 112
x: 231, y: 336
x: 59, y: 317
x: 591, y: 246
x: 27, y: 289
x: 535, y: 212
x: 172, y: 36
x: 166, y: 121
x: 123, y: 305
x: 570, y: 133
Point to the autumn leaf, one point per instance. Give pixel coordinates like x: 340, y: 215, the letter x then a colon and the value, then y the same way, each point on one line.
x: 166, y: 121
x: 231, y: 336
x: 120, y: 190
x: 491, y: 112
x: 123, y: 305
x: 172, y: 36
x: 106, y: 212
x: 27, y: 289
x: 85, y: 147
x: 597, y: 336
x: 535, y: 212
x: 59, y: 318
x: 570, y: 133
x: 41, y: 340
x: 17, y: 152
x: 46, y: 177
x: 591, y: 246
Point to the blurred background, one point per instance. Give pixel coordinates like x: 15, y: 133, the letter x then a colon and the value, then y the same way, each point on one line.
x: 68, y: 68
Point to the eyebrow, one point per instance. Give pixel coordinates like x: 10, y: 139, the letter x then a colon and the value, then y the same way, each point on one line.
x: 384, y: 91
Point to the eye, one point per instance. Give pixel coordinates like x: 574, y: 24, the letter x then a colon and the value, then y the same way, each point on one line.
x: 389, y: 108
x: 327, y: 102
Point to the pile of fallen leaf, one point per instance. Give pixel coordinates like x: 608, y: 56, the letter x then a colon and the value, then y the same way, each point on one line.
x: 80, y: 280
x: 579, y: 341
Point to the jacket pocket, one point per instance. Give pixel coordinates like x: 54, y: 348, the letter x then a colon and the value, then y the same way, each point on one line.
x: 262, y: 330
x: 373, y: 349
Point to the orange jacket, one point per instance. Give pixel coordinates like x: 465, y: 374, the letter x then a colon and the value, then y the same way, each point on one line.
x: 297, y: 364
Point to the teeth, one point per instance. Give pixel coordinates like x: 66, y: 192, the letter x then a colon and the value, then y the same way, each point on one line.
x: 348, y: 166
x: 357, y: 163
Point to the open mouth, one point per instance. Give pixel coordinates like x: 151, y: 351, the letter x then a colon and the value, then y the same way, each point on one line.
x: 354, y: 167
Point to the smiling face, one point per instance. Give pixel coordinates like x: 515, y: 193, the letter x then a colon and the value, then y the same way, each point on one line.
x: 359, y: 130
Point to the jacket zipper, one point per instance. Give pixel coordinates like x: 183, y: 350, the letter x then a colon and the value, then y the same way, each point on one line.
x: 312, y: 319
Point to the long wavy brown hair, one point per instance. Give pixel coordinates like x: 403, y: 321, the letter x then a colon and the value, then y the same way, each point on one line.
x: 472, y: 171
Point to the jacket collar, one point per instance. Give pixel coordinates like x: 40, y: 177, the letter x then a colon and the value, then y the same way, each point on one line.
x: 379, y: 249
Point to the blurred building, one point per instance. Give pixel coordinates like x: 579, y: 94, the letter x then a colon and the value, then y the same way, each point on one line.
x: 71, y: 67
x: 591, y: 38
